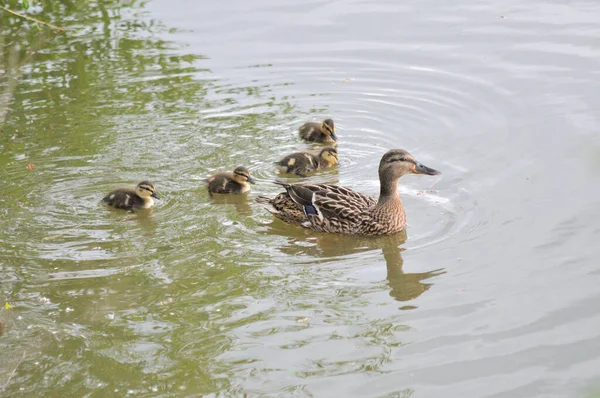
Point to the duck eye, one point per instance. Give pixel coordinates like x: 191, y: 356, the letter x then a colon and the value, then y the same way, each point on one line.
x: 401, y: 160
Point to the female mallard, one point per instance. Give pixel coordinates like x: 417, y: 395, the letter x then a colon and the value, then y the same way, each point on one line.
x: 318, y: 132
x: 136, y: 198
x: 330, y: 208
x: 236, y: 182
x: 302, y: 163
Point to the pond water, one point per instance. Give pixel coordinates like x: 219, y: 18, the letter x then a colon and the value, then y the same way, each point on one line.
x: 492, y: 291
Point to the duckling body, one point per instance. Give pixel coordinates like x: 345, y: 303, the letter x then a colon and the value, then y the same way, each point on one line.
x: 140, y: 197
x: 230, y: 183
x: 318, y: 132
x: 335, y: 209
x: 302, y: 163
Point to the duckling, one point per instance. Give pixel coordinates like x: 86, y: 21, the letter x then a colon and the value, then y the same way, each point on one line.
x: 318, y: 132
x: 136, y: 198
x: 301, y: 163
x: 335, y: 209
x: 236, y: 182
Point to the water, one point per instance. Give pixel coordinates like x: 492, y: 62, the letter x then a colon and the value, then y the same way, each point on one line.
x: 492, y: 292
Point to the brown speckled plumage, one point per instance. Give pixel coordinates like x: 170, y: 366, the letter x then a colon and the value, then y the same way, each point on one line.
x: 318, y: 132
x: 330, y: 208
x: 303, y: 163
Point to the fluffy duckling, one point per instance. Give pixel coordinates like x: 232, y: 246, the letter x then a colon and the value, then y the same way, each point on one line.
x: 236, y: 182
x: 136, y: 198
x: 302, y: 163
x: 318, y: 132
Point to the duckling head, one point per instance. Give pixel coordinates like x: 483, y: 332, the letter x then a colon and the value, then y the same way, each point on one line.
x: 241, y: 175
x: 329, y: 155
x: 398, y: 162
x: 145, y: 189
x: 328, y: 128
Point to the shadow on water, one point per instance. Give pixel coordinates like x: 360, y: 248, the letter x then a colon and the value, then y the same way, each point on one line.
x: 403, y: 286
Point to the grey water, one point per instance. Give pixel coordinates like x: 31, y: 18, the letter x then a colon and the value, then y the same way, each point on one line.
x: 492, y: 291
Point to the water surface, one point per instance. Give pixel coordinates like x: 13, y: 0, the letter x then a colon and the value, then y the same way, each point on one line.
x: 492, y: 291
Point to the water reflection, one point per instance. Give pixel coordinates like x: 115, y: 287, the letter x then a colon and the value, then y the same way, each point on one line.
x: 144, y: 218
x: 403, y: 286
x: 241, y: 202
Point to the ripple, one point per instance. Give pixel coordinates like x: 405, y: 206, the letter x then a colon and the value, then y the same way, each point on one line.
x: 501, y: 100
x: 418, y: 101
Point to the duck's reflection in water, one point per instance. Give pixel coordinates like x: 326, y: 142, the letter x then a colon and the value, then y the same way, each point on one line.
x: 144, y: 218
x: 404, y: 286
x: 241, y: 202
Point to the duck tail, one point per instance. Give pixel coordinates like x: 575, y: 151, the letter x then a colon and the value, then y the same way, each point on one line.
x: 282, y: 184
x: 263, y: 200
x: 267, y: 204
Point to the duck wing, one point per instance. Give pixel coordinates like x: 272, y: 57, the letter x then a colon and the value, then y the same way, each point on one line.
x: 328, y: 201
x: 124, y: 198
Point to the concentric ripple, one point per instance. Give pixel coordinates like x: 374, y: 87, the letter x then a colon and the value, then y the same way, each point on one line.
x: 379, y: 106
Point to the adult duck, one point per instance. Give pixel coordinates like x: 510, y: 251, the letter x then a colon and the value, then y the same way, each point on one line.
x: 335, y: 209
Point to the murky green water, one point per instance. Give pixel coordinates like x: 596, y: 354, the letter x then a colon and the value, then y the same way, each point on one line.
x: 493, y: 291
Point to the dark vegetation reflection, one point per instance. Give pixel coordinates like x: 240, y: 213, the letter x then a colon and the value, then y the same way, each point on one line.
x: 96, y: 309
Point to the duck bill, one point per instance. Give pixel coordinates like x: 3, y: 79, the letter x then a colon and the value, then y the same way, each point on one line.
x: 155, y: 195
x: 333, y: 136
x: 251, y: 180
x: 422, y: 169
